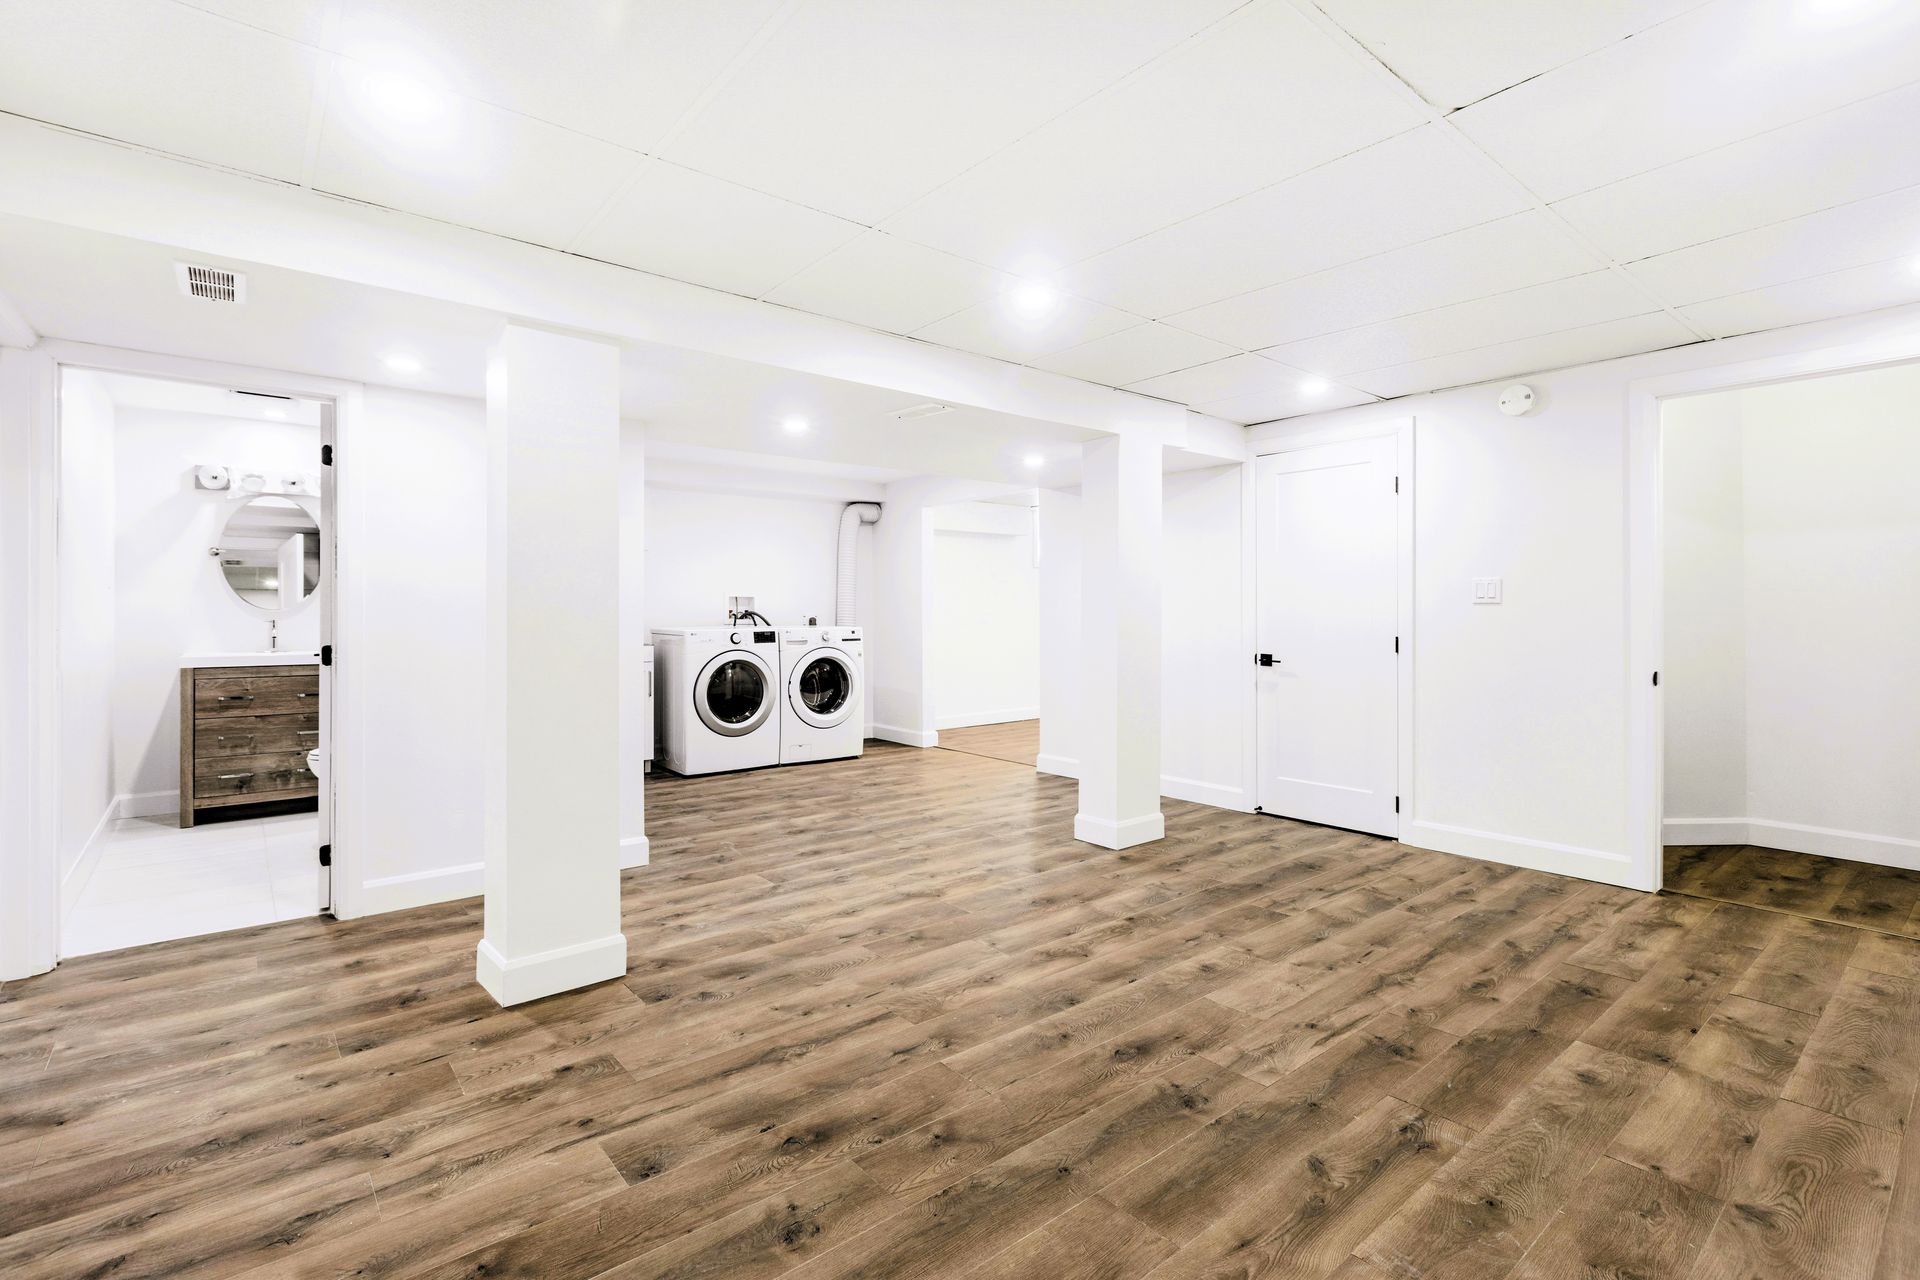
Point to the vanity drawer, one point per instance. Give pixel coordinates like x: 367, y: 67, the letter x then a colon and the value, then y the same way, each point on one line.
x: 250, y: 775
x: 225, y: 696
x: 218, y: 737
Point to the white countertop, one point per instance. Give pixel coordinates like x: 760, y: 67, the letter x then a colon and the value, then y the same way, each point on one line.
x: 279, y: 658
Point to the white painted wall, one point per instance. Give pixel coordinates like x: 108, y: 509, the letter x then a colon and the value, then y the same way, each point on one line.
x: 1207, y: 712
x: 983, y: 648
x: 1060, y: 685
x: 169, y: 596
x: 86, y: 573
x: 1818, y: 551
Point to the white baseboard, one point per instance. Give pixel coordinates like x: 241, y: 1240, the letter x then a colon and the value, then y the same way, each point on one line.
x: 420, y: 889
x: 1119, y: 835
x: 634, y: 852
x: 969, y: 720
x: 1209, y: 793
x: 1796, y: 837
x: 1058, y: 766
x: 74, y: 882
x: 907, y: 737
x: 518, y: 979
x: 147, y: 804
x: 1603, y: 865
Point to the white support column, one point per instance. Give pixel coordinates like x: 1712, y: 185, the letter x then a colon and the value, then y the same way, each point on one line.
x: 636, y: 707
x: 1120, y: 641
x: 553, y: 667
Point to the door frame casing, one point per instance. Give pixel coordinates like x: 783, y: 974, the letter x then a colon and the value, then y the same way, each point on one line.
x: 1645, y: 624
x: 1401, y: 431
x: 38, y: 870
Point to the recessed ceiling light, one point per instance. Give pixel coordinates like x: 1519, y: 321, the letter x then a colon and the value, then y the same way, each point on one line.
x: 1034, y: 461
x: 1315, y: 386
x: 278, y: 415
x: 1829, y: 12
x: 794, y: 426
x: 399, y: 362
x: 1034, y: 298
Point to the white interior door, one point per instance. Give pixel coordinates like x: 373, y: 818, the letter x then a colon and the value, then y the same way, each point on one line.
x: 1326, y: 525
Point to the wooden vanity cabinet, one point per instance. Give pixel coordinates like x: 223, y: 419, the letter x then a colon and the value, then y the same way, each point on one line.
x: 244, y: 736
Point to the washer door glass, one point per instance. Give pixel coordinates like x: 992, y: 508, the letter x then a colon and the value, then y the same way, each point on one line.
x: 733, y: 700
x: 824, y: 685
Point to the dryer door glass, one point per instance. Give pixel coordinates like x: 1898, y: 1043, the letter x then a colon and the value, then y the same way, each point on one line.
x: 825, y: 685
x: 735, y: 691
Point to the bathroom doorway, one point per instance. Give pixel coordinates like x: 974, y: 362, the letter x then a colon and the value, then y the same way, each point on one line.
x: 196, y: 597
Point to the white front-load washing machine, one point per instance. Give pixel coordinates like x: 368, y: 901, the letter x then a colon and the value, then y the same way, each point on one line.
x: 823, y: 675
x: 718, y: 703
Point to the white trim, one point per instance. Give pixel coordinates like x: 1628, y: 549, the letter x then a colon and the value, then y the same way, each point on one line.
x: 1517, y: 851
x: 1119, y: 835
x: 1405, y: 549
x: 1216, y: 794
x: 422, y: 888
x: 146, y: 804
x: 1644, y: 539
x: 1007, y: 715
x: 907, y: 737
x: 1058, y: 766
x: 74, y: 882
x: 1796, y: 837
x: 519, y: 979
x: 635, y: 851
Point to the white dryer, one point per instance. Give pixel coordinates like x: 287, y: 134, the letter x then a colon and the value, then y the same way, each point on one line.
x: 823, y: 674
x: 718, y: 703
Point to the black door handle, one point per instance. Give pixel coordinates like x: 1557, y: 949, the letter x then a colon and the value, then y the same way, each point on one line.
x: 1264, y: 659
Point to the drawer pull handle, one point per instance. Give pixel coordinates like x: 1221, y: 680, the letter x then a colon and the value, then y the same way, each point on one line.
x: 308, y: 733
x: 229, y: 777
x: 306, y: 695
x: 234, y: 697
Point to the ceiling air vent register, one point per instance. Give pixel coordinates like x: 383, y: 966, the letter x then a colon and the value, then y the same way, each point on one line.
x: 214, y: 284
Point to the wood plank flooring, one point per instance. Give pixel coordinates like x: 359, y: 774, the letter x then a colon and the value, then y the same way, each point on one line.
x: 1884, y: 899
x: 1017, y: 741
x: 886, y: 1018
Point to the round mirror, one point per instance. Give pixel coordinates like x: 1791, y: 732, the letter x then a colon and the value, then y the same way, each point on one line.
x: 270, y: 553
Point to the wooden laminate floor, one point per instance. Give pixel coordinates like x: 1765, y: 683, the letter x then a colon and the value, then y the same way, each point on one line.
x: 886, y: 1018
x: 1017, y: 741
x: 1886, y: 899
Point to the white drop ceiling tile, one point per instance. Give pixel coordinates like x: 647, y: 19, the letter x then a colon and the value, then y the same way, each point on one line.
x: 1235, y: 377
x: 1462, y: 51
x: 678, y: 223
x: 1494, y: 257
x: 1886, y: 226
x: 1484, y: 322
x: 1857, y: 151
x: 999, y: 328
x: 622, y: 70
x: 858, y: 107
x: 1840, y: 293
x: 1285, y: 402
x: 162, y: 76
x: 462, y: 161
x: 1605, y: 341
x: 1144, y: 351
x: 1715, y: 74
x: 304, y: 20
x: 887, y: 283
x: 1259, y: 97
x: 1408, y: 188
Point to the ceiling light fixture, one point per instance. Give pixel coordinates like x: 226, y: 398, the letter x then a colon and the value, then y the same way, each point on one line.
x: 278, y: 415
x: 794, y: 426
x: 401, y: 363
x: 1315, y: 386
x: 1034, y: 298
x: 1034, y: 461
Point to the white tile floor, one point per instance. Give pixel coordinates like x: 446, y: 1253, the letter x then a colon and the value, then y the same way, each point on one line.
x: 154, y: 881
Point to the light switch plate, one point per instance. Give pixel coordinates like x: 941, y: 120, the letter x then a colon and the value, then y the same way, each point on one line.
x: 1486, y: 591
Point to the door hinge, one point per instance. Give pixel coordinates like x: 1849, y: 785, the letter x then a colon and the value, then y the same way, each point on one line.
x: 1263, y: 659
x: 326, y: 655
x: 1396, y: 644
x: 1656, y: 679
x: 1396, y: 484
x: 326, y: 855
x: 326, y: 455
x: 1396, y: 804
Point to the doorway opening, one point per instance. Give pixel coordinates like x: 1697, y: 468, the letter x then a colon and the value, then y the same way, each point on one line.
x: 194, y: 576
x: 1790, y: 606
x: 983, y: 632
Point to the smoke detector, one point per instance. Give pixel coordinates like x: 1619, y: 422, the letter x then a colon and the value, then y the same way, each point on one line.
x: 931, y: 409
x: 213, y: 284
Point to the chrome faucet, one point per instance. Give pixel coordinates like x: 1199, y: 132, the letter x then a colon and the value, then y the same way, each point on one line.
x: 273, y: 635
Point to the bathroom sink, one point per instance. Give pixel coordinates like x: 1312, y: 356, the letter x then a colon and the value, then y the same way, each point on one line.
x: 258, y: 658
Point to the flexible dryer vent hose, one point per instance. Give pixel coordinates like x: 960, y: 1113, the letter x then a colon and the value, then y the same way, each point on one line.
x: 855, y: 515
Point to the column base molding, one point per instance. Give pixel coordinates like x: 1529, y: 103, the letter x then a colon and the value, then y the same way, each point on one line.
x: 519, y: 979
x: 1119, y: 835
